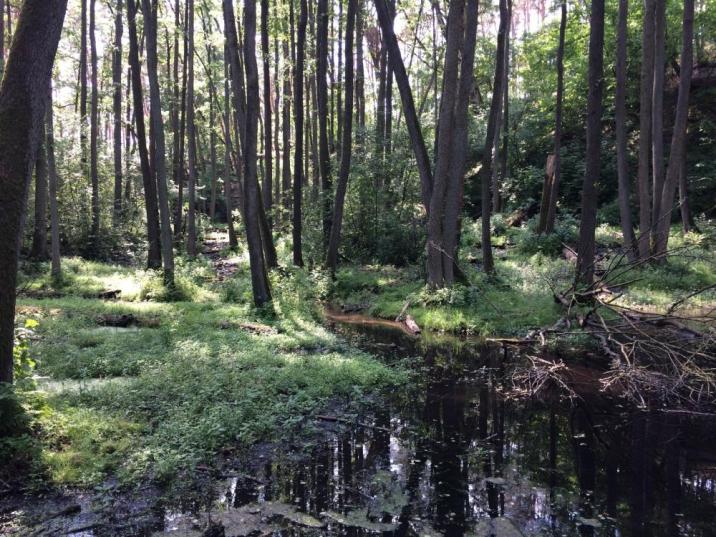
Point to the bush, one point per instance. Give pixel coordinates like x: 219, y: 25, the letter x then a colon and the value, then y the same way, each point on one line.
x: 566, y: 231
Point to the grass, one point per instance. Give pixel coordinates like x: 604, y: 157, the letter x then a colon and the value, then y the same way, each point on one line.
x: 191, y: 381
x: 528, y: 267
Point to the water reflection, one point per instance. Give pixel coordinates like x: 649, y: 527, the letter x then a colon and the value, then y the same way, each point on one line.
x: 456, y: 455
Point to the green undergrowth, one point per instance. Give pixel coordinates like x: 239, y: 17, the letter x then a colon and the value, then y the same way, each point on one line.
x: 529, y: 269
x: 187, y: 380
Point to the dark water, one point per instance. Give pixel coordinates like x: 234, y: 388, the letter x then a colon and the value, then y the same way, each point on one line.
x: 458, y: 455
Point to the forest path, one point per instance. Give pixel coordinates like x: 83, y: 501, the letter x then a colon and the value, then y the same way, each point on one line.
x: 216, y: 248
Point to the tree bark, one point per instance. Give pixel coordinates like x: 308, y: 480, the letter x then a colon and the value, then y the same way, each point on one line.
x: 154, y: 254
x: 687, y: 219
x: 585, y: 249
x: 268, y: 155
x: 657, y: 112
x: 621, y: 133
x: 150, y: 23
x: 56, y: 268
x: 286, y: 119
x: 645, y: 129
x: 360, y: 74
x: 228, y: 151
x: 94, y: 131
x: 191, y: 135
x: 678, y: 139
x: 324, y: 158
x: 23, y: 100
x: 39, y: 235
x: 298, y: 125
x: 117, y: 111
x: 346, y: 143
x: 83, y: 88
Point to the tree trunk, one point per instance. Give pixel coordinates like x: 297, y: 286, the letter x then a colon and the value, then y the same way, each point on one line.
x: 83, y: 88
x: 39, y: 235
x: 191, y: 135
x: 645, y: 130
x: 360, y: 75
x: 411, y: 117
x: 2, y: 38
x: 324, y: 158
x: 687, y: 219
x: 505, y: 107
x: 228, y: 150
x: 56, y: 268
x: 298, y: 125
x: 268, y: 156
x: 23, y: 99
x: 276, y: 130
x: 150, y: 24
x: 286, y: 119
x: 117, y: 111
x: 556, y: 178
x: 94, y: 129
x: 179, y: 213
x: 657, y: 112
x: 342, y: 186
x: 621, y: 133
x: 678, y: 139
x: 154, y: 255
x: 585, y: 249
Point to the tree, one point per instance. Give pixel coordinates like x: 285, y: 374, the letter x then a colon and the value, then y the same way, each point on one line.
x: 645, y: 129
x: 621, y: 133
x: 551, y: 216
x: 39, y: 235
x: 585, y: 248
x: 23, y: 100
x: 117, y: 111
x: 228, y: 151
x: 266, y: 60
x: 677, y: 153
x: 324, y: 157
x: 94, y: 132
x: 657, y: 112
x: 83, y: 87
x: 154, y: 253
x: 191, y: 135
x: 298, y: 125
x: 347, y: 132
x: 158, y: 162
x: 56, y: 268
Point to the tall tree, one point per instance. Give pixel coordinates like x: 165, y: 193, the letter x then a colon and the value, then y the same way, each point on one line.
x: 585, y: 248
x: 56, y: 268
x: 228, y: 151
x: 191, y: 135
x: 154, y: 254
x: 553, y: 192
x: 298, y: 125
x: 621, y: 133
x: 286, y: 126
x: 677, y: 153
x: 23, y: 99
x: 117, y: 111
x: 346, y: 143
x: 94, y: 131
x: 39, y: 234
x: 657, y: 112
x: 2, y: 38
x: 324, y: 157
x: 83, y: 87
x: 268, y: 156
x: 150, y: 8
x: 645, y: 129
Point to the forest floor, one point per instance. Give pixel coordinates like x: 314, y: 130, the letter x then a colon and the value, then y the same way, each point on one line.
x: 127, y: 381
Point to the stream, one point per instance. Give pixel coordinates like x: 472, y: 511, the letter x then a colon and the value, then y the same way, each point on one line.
x: 463, y: 451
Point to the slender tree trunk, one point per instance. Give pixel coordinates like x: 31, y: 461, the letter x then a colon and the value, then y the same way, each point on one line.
x: 176, y: 160
x: 286, y: 119
x: 228, y: 150
x: 56, y: 268
x: 94, y: 128
x: 411, y: 117
x: 83, y: 89
x: 154, y: 256
x: 621, y: 133
x: 360, y: 74
x: 2, y: 38
x: 645, y: 129
x: 23, y: 99
x: 268, y: 159
x: 117, y: 111
x: 179, y: 214
x: 687, y: 219
x: 191, y: 135
x: 298, y: 125
x: 557, y: 176
x: 585, y: 249
x: 342, y: 186
x: 506, y: 107
x: 39, y: 235
x: 150, y: 24
x: 339, y: 77
x: 657, y: 112
x: 324, y: 158
x: 276, y: 130
x: 678, y: 139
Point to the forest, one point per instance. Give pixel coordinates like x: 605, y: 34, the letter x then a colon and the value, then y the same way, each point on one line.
x: 358, y: 267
